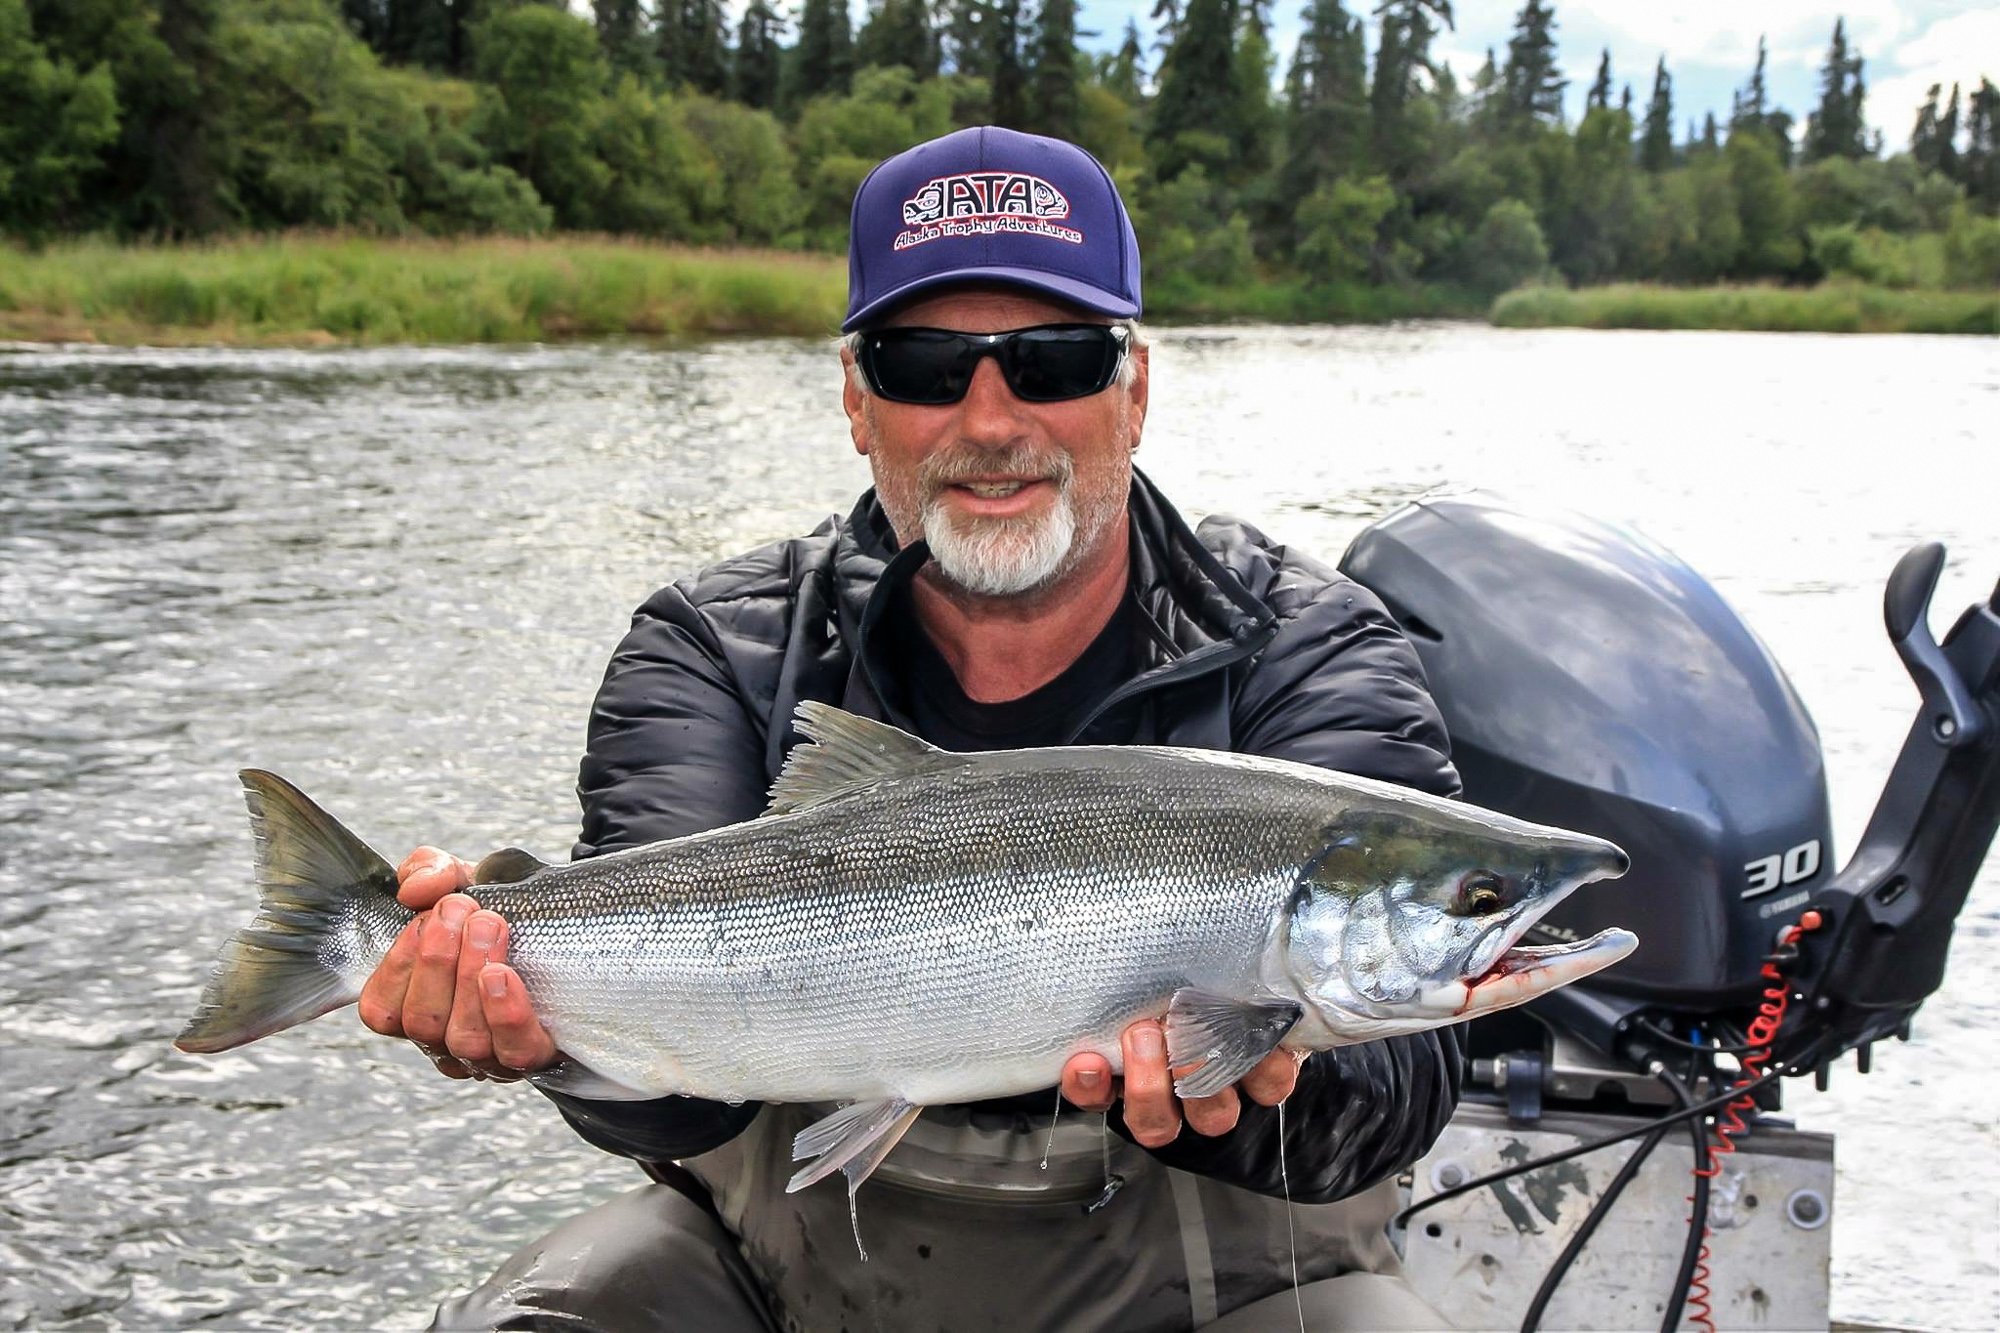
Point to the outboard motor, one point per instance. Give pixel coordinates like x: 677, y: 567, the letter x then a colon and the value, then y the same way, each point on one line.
x: 1590, y: 679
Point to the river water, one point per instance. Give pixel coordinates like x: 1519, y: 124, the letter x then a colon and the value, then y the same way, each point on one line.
x: 394, y: 576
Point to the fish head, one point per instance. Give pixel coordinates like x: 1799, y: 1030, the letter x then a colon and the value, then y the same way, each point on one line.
x: 1407, y: 920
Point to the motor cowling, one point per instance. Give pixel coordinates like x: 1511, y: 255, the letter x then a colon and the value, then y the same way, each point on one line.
x: 1590, y: 679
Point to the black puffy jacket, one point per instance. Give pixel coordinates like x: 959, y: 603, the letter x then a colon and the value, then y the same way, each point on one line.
x: 1254, y: 648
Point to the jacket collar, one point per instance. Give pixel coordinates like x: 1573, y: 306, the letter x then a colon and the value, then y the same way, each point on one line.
x: 1203, y: 618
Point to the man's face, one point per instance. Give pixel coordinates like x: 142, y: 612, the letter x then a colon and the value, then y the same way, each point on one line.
x: 1012, y: 496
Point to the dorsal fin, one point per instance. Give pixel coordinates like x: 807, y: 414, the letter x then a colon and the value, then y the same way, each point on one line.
x: 847, y: 753
x: 509, y: 865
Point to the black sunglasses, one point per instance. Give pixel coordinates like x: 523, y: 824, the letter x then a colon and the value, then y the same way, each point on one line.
x: 1050, y: 363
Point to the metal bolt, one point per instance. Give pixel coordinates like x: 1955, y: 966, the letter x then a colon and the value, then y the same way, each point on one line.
x: 1807, y: 1209
x: 1448, y: 1175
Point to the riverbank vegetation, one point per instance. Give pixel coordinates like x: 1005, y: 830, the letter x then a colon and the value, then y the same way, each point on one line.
x: 1368, y: 183
x: 305, y: 289
x: 1831, y: 307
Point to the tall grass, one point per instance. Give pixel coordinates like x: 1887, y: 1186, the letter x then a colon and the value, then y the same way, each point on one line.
x: 1831, y: 307
x: 329, y: 289
x: 1176, y: 298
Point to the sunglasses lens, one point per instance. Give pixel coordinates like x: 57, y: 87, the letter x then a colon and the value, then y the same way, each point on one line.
x: 919, y: 365
x: 1050, y: 365
x: 1044, y: 365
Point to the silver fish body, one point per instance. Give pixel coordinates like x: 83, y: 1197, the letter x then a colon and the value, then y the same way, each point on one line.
x: 941, y: 938
x: 909, y: 926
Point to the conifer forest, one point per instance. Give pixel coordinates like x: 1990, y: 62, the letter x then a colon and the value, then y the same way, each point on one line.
x: 1364, y: 165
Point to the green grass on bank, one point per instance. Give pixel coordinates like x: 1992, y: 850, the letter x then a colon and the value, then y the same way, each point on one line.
x: 1831, y: 307
x: 1173, y: 299
x: 323, y: 290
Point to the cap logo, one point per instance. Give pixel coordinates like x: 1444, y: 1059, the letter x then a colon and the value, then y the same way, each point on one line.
x: 982, y: 203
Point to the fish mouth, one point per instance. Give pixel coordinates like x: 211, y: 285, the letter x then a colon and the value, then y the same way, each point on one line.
x: 1528, y: 970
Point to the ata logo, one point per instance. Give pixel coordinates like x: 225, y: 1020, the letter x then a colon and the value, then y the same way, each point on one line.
x: 984, y: 203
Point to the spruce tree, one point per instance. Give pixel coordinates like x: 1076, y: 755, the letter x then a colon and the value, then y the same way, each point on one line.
x: 1052, y: 80
x: 1126, y: 74
x: 825, y: 55
x: 898, y: 32
x: 1599, y: 96
x: 1838, y: 128
x: 1326, y: 104
x: 1656, y: 136
x: 704, y: 41
x: 755, y: 69
x: 621, y: 32
x: 1402, y: 55
x: 1979, y: 164
x: 1924, y: 134
x: 1193, y: 110
x: 1166, y: 18
x: 1253, y: 120
x: 1005, y: 70
x: 1531, y: 82
x: 1948, y: 164
x: 1751, y: 111
x: 670, y: 53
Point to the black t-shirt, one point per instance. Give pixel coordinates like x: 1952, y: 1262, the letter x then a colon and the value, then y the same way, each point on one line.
x: 946, y: 717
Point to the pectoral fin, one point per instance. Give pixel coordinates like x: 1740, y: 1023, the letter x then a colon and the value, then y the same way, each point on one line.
x: 853, y: 1140
x: 573, y: 1079
x: 1226, y: 1036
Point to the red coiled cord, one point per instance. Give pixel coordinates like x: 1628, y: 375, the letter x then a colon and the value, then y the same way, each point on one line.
x: 1729, y: 1120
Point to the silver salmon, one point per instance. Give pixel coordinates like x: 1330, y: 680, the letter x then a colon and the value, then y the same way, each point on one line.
x: 906, y: 926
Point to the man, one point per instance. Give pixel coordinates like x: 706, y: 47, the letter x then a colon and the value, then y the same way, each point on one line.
x: 1011, y: 581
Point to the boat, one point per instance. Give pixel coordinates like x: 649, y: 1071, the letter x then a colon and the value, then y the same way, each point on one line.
x: 1622, y: 1157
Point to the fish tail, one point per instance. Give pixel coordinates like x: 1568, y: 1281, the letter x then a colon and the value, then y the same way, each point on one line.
x: 326, y: 914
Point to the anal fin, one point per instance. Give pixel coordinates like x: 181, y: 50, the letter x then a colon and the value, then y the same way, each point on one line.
x: 853, y: 1140
x: 1224, y: 1035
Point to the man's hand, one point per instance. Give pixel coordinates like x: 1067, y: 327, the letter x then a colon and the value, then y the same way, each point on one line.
x: 445, y: 983
x: 1152, y: 1112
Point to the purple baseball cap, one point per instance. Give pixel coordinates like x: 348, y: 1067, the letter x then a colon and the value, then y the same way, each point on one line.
x: 990, y: 204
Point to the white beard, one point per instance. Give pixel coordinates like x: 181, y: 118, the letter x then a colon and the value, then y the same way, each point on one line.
x: 1004, y: 557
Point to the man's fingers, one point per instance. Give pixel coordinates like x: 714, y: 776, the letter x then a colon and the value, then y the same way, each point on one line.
x: 382, y: 995
x: 1152, y: 1112
x: 1086, y: 1082
x: 520, y: 1042
x: 427, y: 1006
x: 428, y: 874
x: 1213, y: 1115
x: 466, y: 1036
x: 1273, y: 1078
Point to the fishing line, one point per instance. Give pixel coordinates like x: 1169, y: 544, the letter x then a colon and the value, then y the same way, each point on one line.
x: 1291, y: 1233
x: 1112, y: 1181
x: 1054, y: 1116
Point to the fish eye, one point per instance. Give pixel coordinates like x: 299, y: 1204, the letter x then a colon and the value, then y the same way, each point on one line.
x: 1480, y: 894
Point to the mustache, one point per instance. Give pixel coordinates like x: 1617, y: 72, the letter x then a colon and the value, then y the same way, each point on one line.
x: 1019, y: 462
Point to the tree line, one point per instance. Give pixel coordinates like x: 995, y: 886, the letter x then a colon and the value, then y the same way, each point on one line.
x: 193, y: 118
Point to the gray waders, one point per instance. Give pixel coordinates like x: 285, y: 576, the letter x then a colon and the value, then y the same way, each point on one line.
x: 965, y: 1230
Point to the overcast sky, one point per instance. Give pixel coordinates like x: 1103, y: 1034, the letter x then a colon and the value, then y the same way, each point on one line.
x: 1710, y: 46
